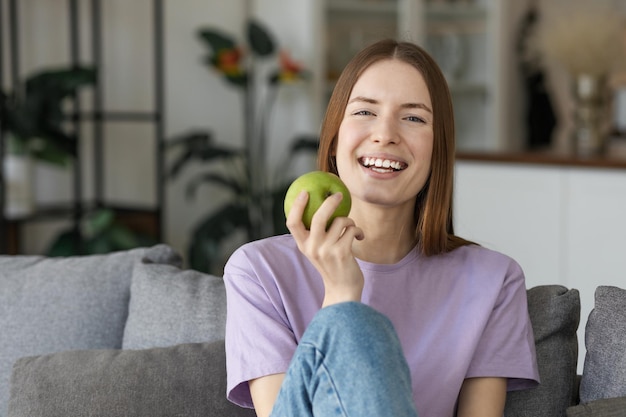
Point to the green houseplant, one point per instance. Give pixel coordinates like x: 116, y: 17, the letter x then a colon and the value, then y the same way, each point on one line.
x: 34, y: 122
x: 33, y: 115
x: 33, y: 127
x: 256, y: 191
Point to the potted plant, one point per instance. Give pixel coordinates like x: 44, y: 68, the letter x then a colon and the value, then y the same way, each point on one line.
x: 256, y: 191
x: 33, y: 115
x: 32, y: 124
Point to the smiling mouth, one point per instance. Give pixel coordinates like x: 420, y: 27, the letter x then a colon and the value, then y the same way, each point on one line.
x: 382, y: 165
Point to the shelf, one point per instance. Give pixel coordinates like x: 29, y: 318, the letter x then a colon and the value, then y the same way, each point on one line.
x: 455, y: 12
x: 363, y: 7
x: 64, y: 211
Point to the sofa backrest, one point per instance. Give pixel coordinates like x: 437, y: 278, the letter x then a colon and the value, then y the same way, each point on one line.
x: 56, y: 304
x: 555, y: 315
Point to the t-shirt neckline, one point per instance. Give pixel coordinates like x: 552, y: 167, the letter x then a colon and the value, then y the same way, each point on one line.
x: 412, y: 256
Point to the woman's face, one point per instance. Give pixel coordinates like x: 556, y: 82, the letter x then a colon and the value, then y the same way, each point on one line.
x: 385, y: 139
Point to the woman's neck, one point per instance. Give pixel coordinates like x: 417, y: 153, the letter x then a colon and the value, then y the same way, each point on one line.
x: 389, y: 235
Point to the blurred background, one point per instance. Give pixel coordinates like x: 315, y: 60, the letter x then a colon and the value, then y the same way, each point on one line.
x: 183, y: 92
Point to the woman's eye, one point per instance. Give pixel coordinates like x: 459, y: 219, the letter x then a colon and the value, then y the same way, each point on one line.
x: 415, y: 119
x: 363, y: 113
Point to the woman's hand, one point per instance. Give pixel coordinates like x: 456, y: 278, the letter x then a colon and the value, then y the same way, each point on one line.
x: 330, y: 251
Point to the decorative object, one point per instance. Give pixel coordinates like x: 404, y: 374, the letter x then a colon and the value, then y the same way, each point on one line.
x: 18, y: 177
x: 591, y: 114
x: 257, y: 192
x: 586, y: 39
x: 539, y: 112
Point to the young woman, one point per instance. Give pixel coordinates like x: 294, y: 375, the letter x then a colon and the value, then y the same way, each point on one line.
x: 386, y: 312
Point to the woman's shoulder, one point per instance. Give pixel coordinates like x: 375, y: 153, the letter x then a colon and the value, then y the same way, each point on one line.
x: 271, y: 250
x: 481, y: 257
x: 268, y: 246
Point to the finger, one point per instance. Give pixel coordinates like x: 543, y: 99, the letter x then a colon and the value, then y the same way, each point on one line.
x: 294, y: 218
x: 320, y: 219
x: 342, y: 225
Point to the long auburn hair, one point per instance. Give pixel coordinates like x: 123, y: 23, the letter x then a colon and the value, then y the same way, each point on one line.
x: 433, y: 209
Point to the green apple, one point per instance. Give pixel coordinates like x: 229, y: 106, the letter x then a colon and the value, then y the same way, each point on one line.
x: 320, y: 185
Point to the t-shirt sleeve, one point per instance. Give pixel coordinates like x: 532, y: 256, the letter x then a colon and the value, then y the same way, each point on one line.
x: 507, y: 348
x: 259, y: 340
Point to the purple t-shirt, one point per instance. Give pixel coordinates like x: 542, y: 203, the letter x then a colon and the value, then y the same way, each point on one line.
x: 458, y: 315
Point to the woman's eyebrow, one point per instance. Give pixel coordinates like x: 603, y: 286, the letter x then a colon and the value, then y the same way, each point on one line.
x: 417, y: 106
x: 363, y: 99
x: 405, y: 105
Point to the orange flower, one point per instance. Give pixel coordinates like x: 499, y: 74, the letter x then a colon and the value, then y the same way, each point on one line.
x: 228, y: 61
x: 289, y: 69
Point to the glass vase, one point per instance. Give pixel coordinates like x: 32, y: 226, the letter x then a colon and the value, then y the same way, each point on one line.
x: 591, y: 105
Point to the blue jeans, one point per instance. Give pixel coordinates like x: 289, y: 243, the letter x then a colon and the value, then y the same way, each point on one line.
x: 348, y: 363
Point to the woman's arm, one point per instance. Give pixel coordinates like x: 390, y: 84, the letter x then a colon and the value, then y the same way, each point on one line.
x: 482, y: 397
x: 264, y: 391
x: 330, y: 251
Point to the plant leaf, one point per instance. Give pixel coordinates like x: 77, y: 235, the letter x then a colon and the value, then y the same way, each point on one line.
x: 64, y: 244
x: 305, y: 143
x: 98, y: 221
x: 219, y: 152
x: 52, y: 86
x: 195, y: 139
x: 278, y: 210
x: 203, y: 252
x: 214, y: 178
x: 260, y: 40
x: 179, y: 163
x: 238, y: 80
x: 216, y: 40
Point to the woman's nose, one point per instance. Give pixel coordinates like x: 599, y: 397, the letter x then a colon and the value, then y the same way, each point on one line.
x: 385, y: 131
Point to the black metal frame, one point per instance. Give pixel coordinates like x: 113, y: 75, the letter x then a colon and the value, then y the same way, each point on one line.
x: 100, y: 116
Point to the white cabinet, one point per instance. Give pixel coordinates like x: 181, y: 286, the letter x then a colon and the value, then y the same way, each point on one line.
x: 564, y: 225
x: 465, y: 37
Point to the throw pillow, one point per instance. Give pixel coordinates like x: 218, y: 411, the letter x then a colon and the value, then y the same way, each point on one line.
x: 611, y: 407
x: 184, y: 380
x: 169, y: 306
x: 554, y: 314
x: 604, y: 372
x: 53, y: 304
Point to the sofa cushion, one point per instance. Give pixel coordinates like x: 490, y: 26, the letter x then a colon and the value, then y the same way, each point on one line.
x: 183, y: 380
x: 169, y: 306
x: 554, y: 314
x: 53, y: 304
x: 604, y: 372
x: 610, y: 407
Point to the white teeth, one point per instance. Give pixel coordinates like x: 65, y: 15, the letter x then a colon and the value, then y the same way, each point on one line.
x: 381, y: 163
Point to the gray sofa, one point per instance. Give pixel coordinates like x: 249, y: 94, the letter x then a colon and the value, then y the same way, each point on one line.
x: 132, y: 334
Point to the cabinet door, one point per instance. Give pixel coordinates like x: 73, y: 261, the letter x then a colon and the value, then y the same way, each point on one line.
x: 514, y: 210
